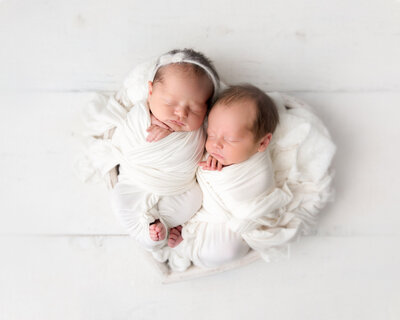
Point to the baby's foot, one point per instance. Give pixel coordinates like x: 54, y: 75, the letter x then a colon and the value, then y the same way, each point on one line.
x: 175, y: 237
x: 157, y: 231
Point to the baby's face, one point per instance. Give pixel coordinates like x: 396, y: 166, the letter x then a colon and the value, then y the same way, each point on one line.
x: 180, y: 100
x: 230, y: 139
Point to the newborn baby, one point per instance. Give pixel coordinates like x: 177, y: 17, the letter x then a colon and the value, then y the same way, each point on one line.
x: 237, y: 180
x: 158, y: 145
x: 156, y: 189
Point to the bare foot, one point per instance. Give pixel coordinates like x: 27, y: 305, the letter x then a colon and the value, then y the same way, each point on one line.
x: 157, y: 231
x: 175, y: 236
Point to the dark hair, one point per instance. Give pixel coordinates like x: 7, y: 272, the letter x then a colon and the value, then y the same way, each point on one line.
x: 267, y: 117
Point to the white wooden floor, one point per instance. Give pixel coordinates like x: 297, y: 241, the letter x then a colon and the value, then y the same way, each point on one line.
x: 63, y: 255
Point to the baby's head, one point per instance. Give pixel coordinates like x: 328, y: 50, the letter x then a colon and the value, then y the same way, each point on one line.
x: 183, y: 86
x: 240, y: 124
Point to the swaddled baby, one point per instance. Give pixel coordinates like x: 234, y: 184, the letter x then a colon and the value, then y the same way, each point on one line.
x: 240, y: 200
x: 159, y: 146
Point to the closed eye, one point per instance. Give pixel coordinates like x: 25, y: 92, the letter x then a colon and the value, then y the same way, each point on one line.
x: 198, y: 109
x: 168, y: 102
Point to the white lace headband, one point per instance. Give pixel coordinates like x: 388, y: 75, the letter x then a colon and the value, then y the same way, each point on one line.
x: 180, y: 57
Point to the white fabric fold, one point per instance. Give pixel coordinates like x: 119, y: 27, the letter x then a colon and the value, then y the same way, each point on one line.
x: 99, y: 156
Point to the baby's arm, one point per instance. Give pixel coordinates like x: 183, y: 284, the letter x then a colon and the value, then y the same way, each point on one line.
x: 157, y: 130
x: 211, y: 164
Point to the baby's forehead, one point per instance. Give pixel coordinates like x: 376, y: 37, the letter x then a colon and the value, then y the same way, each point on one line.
x: 187, y: 69
x: 187, y: 73
x: 244, y: 108
x: 242, y: 113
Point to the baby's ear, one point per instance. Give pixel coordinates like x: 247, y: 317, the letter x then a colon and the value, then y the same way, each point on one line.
x: 150, y: 86
x: 264, y: 142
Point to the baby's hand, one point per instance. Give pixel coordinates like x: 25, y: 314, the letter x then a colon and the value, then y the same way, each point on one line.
x: 157, y: 130
x: 156, y: 133
x: 211, y: 164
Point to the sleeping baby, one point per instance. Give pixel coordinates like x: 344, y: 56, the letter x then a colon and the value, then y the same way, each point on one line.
x: 157, y: 143
x: 161, y: 142
x: 240, y: 200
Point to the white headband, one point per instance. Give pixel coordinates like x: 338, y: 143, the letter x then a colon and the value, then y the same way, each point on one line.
x: 180, y: 57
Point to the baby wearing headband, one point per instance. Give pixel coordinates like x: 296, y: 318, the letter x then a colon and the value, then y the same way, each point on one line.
x: 162, y: 142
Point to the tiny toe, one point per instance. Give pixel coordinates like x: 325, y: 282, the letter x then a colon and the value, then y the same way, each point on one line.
x: 173, y: 235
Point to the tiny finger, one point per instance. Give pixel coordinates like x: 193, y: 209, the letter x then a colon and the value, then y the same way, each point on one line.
x: 214, y: 164
x: 209, y: 159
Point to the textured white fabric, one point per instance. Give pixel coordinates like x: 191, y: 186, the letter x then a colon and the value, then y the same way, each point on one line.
x: 302, y: 152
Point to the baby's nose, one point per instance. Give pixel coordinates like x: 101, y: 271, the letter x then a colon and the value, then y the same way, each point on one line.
x: 218, y: 144
x: 182, y: 112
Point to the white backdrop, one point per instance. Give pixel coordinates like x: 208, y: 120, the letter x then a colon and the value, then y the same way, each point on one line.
x: 64, y: 256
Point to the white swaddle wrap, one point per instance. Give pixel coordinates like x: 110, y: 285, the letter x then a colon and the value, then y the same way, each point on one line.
x: 165, y: 167
x: 149, y: 172
x: 244, y: 196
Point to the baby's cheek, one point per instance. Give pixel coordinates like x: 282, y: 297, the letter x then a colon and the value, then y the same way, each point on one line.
x: 197, y: 121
